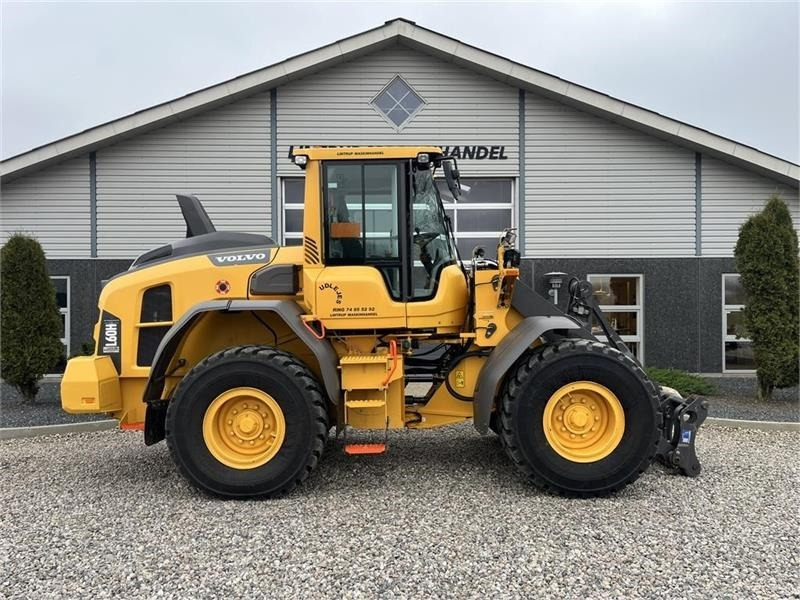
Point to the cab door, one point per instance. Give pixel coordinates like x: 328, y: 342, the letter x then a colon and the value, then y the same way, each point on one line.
x: 362, y: 284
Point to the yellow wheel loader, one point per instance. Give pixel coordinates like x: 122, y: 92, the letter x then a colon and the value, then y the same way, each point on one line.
x: 244, y: 355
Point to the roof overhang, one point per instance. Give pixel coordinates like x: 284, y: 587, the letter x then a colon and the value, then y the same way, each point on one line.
x: 427, y: 41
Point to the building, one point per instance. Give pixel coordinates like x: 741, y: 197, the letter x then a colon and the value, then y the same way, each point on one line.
x: 646, y: 207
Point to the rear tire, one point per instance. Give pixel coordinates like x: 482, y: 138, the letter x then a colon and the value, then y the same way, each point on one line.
x: 247, y: 421
x: 599, y: 445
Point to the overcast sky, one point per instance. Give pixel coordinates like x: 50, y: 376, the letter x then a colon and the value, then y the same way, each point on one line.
x: 731, y: 68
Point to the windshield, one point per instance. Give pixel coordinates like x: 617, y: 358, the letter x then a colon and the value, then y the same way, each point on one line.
x: 432, y: 248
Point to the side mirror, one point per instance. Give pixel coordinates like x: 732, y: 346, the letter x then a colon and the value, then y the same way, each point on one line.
x: 451, y: 176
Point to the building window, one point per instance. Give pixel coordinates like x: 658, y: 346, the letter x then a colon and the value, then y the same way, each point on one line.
x: 398, y: 102
x: 737, y: 348
x: 621, y: 299
x: 484, y: 209
x: 61, y: 284
x: 293, y: 190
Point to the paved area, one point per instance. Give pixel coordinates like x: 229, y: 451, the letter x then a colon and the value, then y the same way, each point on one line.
x: 442, y: 514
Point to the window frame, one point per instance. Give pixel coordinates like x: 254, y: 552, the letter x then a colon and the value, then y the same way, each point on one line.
x: 607, y: 309
x: 66, y: 312
x: 726, y: 309
x: 491, y: 237
x: 374, y: 104
x: 292, y: 206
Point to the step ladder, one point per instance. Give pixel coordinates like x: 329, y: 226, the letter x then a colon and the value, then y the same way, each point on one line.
x: 362, y: 448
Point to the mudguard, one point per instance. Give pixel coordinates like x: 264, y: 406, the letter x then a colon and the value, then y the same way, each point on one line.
x: 288, y: 310
x: 504, y: 355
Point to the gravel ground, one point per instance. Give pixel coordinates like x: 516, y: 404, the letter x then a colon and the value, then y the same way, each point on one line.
x: 442, y: 514
x: 736, y: 401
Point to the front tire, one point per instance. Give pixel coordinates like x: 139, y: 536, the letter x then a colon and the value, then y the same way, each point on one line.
x: 579, y: 418
x: 247, y: 421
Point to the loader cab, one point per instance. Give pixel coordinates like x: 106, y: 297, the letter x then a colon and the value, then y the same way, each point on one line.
x: 378, y: 241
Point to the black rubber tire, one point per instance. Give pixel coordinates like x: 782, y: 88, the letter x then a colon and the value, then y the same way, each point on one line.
x: 536, y: 379
x: 291, y: 385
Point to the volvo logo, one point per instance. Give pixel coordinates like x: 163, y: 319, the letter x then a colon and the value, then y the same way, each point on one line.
x: 244, y: 258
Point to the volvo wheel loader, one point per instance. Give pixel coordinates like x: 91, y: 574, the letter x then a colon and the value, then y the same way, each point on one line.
x: 245, y: 356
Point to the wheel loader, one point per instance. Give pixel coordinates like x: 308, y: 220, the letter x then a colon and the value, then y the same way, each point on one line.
x: 245, y: 356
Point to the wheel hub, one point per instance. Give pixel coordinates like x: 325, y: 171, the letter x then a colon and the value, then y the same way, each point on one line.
x: 583, y: 421
x: 244, y: 428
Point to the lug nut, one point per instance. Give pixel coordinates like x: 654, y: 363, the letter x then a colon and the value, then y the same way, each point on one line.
x: 244, y: 405
x: 572, y: 435
x: 230, y: 421
x: 559, y: 418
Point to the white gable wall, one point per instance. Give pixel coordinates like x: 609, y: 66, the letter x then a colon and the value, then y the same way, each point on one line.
x: 594, y: 188
x: 462, y: 108
x: 730, y: 196
x: 51, y: 205
x: 222, y: 155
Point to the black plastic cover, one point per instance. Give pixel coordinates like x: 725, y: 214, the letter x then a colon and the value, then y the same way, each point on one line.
x: 275, y: 279
x: 203, y: 244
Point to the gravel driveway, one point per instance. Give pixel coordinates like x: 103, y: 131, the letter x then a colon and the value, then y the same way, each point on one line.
x: 442, y: 514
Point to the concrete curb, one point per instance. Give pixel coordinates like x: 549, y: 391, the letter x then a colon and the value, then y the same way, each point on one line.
x: 10, y: 433
x: 757, y: 425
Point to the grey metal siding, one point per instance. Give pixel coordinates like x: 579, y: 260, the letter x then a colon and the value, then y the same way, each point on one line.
x: 222, y: 155
x: 462, y: 108
x: 598, y: 189
x: 51, y: 205
x: 729, y: 196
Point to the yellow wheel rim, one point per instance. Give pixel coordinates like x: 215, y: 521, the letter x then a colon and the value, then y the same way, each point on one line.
x: 583, y: 421
x: 244, y: 428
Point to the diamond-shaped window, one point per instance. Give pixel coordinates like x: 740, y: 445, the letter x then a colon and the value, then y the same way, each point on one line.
x: 398, y: 102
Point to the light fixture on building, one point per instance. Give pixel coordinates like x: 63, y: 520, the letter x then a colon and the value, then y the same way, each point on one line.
x: 555, y: 279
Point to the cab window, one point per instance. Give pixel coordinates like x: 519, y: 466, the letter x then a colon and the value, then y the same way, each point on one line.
x: 361, y: 215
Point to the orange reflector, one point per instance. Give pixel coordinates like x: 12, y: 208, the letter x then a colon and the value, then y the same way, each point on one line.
x: 365, y: 448
x: 87, y: 400
x: 132, y: 426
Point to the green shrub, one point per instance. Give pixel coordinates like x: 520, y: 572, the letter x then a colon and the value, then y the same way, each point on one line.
x: 769, y: 269
x: 30, y: 323
x: 686, y: 383
x: 87, y: 349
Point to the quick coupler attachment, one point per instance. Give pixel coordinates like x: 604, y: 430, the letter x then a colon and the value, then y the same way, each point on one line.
x: 682, y: 418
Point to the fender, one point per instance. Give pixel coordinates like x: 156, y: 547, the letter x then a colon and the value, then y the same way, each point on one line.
x: 504, y: 355
x: 288, y: 310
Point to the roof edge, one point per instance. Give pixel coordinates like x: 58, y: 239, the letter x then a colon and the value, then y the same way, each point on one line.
x: 414, y: 35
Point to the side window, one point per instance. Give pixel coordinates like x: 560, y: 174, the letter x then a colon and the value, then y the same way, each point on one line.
x: 361, y: 217
x: 293, y: 191
x: 620, y: 299
x: 62, y: 300
x: 483, y: 210
x: 737, y: 348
